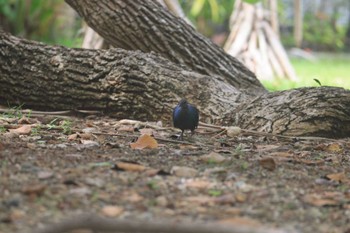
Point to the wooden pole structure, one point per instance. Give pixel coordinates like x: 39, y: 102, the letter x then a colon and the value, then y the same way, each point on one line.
x: 254, y: 39
x: 274, y: 16
x: 298, y: 22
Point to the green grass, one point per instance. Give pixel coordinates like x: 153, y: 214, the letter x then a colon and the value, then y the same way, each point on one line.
x: 329, y: 69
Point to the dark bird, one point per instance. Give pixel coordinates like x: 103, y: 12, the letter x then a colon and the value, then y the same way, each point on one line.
x: 185, y: 116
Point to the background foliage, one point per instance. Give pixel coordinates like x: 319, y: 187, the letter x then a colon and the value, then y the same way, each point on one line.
x: 52, y: 21
x: 49, y: 21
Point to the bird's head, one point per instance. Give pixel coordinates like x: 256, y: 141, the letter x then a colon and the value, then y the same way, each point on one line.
x: 183, y: 102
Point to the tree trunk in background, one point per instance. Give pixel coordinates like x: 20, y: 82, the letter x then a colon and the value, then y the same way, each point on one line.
x: 298, y: 22
x: 144, y: 25
x: 146, y: 86
x: 93, y: 40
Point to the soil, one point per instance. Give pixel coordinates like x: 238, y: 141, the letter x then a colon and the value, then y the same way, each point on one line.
x: 51, y: 168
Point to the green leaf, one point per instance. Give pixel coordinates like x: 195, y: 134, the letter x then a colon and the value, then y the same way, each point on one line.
x: 214, y: 192
x: 251, y: 1
x: 214, y: 10
x: 197, y: 7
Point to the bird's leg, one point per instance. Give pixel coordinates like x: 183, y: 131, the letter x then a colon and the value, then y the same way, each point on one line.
x: 192, y: 133
x: 181, y: 135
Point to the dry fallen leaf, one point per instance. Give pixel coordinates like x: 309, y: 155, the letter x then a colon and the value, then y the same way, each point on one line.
x: 183, y: 171
x: 42, y: 175
x: 31, y: 146
x: 132, y: 197
x: 317, y: 200
x: 232, y: 211
x: 241, y: 197
x: 213, y: 157
x: 148, y: 131
x: 23, y: 130
x: 126, y: 128
x: 281, y: 155
x: 83, y: 191
x: 200, y: 200
x: 267, y: 147
x: 90, y: 130
x: 144, y: 141
x: 89, y: 124
x: 332, y: 148
x: 199, y: 184
x: 161, y: 201
x: 268, y: 163
x: 89, y: 142
x: 17, y: 214
x: 335, y: 195
x: 188, y: 147
x: 72, y: 137
x: 112, y: 211
x: 133, y: 167
x: 10, y: 135
x: 310, y: 162
x: 339, y: 177
x: 86, y: 136
x: 24, y: 120
x: 226, y: 199
x: 34, y: 189
x: 241, y: 221
x: 233, y: 131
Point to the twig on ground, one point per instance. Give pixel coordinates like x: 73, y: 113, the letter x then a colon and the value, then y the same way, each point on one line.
x: 63, y: 114
x: 102, y: 224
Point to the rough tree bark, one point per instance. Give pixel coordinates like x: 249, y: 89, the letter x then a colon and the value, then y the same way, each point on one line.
x: 146, y: 26
x: 323, y: 111
x: 146, y: 86
x: 125, y: 84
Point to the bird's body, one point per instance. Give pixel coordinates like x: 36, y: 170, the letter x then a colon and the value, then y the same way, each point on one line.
x: 185, y: 116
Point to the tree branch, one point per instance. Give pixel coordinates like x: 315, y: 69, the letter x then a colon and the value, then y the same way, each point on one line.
x: 102, y: 224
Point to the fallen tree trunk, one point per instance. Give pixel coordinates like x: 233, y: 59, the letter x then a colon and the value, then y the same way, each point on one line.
x: 125, y: 84
x: 132, y: 84
x: 321, y: 111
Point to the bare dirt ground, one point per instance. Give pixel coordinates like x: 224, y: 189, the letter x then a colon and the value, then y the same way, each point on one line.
x: 51, y: 168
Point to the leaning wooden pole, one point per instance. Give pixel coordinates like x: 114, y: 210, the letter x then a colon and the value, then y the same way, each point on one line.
x: 298, y: 22
x: 255, y: 41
